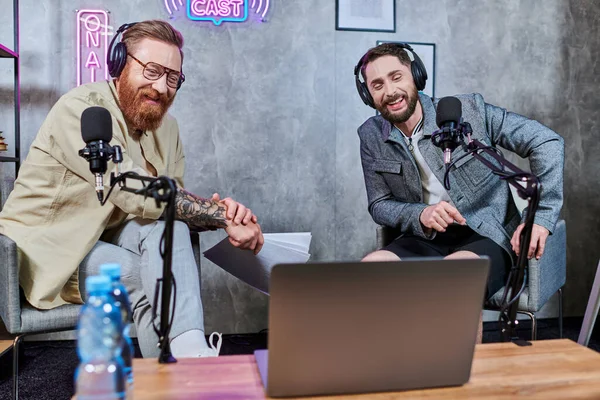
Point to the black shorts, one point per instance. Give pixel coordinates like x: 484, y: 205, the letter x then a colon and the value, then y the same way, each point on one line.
x: 457, y: 238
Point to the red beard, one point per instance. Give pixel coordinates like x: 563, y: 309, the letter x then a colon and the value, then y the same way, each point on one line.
x: 141, y: 113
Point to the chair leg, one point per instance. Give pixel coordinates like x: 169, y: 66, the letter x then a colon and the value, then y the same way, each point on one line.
x: 560, y: 313
x: 16, y: 350
x: 533, y: 323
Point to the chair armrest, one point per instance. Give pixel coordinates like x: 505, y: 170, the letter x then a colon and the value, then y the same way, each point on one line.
x: 386, y: 235
x: 548, y: 274
x: 10, y: 300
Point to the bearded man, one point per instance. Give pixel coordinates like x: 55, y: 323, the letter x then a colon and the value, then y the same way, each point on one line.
x: 64, y: 234
x: 404, y: 171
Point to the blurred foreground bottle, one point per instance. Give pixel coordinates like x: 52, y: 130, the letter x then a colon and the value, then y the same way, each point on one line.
x: 101, y: 373
x: 113, y: 271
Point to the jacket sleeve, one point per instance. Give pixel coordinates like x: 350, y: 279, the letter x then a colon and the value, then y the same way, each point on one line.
x: 63, y: 138
x: 176, y: 170
x: 543, y: 148
x: 383, y: 207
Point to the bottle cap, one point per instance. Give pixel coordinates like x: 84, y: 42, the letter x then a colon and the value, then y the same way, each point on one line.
x: 97, y: 284
x: 112, y: 270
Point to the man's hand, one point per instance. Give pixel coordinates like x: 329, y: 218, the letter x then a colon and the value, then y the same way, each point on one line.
x: 242, y: 227
x: 248, y: 237
x: 439, y: 216
x: 236, y: 212
x: 539, y: 234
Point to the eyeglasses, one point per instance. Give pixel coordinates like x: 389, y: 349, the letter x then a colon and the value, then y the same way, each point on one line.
x: 153, y: 71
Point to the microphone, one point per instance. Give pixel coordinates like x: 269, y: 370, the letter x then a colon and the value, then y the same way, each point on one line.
x: 96, y: 130
x: 449, y: 113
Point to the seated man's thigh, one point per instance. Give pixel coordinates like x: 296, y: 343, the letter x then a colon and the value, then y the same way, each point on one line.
x: 413, y: 246
x: 500, y: 261
x: 103, y: 253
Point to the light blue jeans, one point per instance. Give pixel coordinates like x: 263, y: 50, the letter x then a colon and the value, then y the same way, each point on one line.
x: 135, y: 246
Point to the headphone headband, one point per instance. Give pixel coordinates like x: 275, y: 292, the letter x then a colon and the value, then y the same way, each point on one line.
x: 417, y: 68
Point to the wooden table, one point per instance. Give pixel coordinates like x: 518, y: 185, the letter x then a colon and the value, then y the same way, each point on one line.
x: 549, y: 369
x: 5, y: 345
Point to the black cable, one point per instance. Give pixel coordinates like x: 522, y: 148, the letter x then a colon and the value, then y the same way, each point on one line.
x: 155, y: 307
x: 468, y: 153
x: 121, y: 178
x: 515, y: 298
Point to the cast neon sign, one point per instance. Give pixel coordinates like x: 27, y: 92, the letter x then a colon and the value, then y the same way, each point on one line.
x: 92, y: 44
x: 219, y: 11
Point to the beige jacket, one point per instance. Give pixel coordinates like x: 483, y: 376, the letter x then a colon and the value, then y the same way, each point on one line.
x: 53, y: 213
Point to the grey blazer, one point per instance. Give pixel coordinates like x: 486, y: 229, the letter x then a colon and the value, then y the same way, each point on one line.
x: 393, y: 183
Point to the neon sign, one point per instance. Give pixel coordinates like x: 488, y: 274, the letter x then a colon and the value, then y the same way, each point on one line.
x: 219, y: 11
x: 92, y: 44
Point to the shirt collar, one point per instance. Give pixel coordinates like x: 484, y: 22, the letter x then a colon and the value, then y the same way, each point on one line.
x: 416, y: 131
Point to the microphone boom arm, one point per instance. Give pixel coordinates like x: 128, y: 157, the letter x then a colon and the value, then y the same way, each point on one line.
x: 163, y: 190
x: 528, y: 188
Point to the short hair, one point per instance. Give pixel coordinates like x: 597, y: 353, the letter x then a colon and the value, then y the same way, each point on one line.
x: 153, y: 29
x: 384, y: 49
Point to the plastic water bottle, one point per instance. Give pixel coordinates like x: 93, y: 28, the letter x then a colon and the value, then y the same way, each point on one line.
x: 113, y: 271
x: 100, y: 374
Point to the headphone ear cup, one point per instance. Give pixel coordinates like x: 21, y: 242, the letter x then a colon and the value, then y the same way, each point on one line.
x: 368, y: 99
x: 181, y: 80
x: 419, y: 72
x: 363, y: 92
x: 117, y: 60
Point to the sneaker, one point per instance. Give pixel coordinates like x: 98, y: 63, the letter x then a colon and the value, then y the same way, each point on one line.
x: 213, y: 350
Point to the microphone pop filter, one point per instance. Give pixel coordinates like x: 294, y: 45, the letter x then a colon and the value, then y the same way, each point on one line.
x: 96, y: 124
x: 449, y: 110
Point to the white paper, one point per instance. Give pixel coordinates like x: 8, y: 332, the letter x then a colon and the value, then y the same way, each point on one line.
x: 300, y: 239
x: 255, y: 270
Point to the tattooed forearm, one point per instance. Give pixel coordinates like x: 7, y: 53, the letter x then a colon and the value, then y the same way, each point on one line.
x: 199, y: 213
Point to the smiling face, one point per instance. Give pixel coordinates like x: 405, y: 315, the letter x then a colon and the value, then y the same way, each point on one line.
x: 392, y: 87
x: 145, y: 102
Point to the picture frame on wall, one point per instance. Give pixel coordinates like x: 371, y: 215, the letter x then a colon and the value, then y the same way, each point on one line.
x: 426, y: 52
x: 365, y: 15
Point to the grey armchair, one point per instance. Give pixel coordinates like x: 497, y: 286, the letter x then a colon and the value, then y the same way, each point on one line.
x: 21, y: 319
x: 545, y: 277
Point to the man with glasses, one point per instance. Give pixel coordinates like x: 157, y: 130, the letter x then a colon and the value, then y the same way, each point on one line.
x: 64, y: 234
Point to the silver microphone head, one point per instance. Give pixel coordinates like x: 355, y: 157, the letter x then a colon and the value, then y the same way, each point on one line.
x: 99, y: 186
x: 447, y: 156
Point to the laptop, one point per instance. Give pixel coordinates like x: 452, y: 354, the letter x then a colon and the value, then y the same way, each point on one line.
x: 338, y: 328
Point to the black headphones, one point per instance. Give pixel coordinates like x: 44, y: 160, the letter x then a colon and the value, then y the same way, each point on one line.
x: 116, y: 57
x: 417, y: 68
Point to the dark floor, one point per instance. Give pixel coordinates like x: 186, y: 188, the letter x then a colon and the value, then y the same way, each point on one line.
x: 47, y: 367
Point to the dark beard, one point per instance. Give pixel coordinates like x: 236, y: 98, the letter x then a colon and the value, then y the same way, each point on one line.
x: 137, y: 111
x: 401, y: 118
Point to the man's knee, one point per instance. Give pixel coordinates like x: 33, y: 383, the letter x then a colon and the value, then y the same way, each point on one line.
x: 180, y: 231
x: 461, y: 255
x: 381, y: 255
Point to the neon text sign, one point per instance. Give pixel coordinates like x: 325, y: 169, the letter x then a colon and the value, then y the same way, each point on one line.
x: 219, y: 11
x: 92, y: 44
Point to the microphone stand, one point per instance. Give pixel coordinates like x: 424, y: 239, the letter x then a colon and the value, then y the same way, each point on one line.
x: 163, y: 190
x: 528, y: 188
